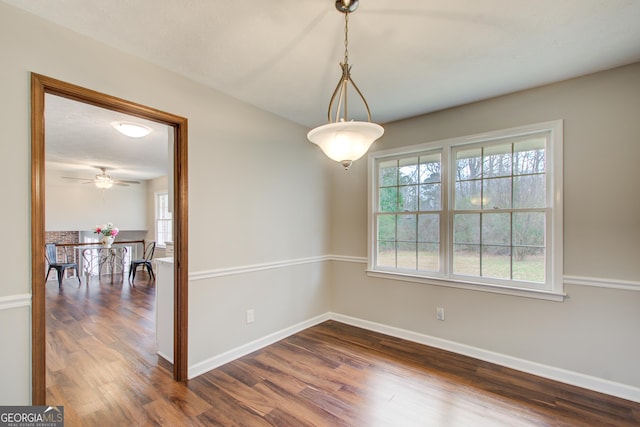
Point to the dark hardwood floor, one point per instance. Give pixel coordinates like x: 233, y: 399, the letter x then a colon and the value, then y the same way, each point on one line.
x: 102, y: 366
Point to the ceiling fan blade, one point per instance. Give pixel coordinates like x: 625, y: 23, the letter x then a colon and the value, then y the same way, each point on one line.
x: 81, y: 179
x: 105, y: 177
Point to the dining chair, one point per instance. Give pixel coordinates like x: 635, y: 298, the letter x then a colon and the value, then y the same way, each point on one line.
x: 51, y: 255
x: 145, y: 263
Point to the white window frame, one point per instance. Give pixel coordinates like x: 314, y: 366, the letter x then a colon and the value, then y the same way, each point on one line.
x: 157, y: 218
x: 552, y: 289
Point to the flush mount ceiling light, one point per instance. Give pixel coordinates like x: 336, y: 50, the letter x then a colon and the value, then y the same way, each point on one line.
x: 345, y: 140
x: 132, y: 130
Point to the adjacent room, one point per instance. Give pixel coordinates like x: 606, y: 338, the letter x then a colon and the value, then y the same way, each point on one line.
x: 97, y: 175
x: 473, y: 262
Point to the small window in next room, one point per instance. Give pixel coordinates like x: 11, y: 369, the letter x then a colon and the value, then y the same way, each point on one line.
x: 481, y: 212
x: 164, y: 222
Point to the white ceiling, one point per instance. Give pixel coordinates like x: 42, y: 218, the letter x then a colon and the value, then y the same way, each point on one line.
x: 80, y: 139
x: 409, y: 57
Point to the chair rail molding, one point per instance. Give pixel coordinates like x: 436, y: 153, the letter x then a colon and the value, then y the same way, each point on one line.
x: 598, y: 282
x: 15, y: 301
x: 251, y: 268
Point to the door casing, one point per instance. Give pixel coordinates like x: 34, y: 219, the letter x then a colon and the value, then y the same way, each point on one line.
x: 41, y: 85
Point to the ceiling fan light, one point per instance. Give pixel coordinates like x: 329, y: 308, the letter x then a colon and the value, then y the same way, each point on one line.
x: 345, y: 142
x: 103, y: 181
x: 132, y: 130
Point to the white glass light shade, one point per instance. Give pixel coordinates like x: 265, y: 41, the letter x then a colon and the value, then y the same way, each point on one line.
x: 132, y: 130
x: 345, y: 142
x: 103, y: 181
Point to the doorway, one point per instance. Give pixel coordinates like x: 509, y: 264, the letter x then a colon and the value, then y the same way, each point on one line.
x: 41, y: 85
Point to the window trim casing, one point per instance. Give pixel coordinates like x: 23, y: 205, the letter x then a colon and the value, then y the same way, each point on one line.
x: 555, y: 200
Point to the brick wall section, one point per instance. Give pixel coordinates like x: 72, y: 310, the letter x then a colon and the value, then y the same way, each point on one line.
x: 63, y: 237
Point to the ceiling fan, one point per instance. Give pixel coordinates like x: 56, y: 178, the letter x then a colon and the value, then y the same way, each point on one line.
x: 103, y: 180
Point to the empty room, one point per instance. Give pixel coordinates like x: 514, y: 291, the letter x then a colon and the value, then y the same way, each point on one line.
x: 417, y: 213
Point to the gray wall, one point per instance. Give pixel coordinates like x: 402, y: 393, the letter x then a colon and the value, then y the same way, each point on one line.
x: 594, y: 332
x: 247, y: 202
x: 73, y: 206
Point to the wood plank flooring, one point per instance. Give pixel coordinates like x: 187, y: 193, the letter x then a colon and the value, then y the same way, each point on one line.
x: 102, y: 366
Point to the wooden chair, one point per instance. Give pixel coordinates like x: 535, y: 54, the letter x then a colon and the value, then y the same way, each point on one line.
x: 145, y: 262
x: 51, y: 254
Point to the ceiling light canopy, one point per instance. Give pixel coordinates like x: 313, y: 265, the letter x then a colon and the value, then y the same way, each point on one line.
x: 132, y: 130
x: 345, y: 140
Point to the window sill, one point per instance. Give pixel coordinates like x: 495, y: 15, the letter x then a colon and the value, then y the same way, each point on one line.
x: 482, y: 287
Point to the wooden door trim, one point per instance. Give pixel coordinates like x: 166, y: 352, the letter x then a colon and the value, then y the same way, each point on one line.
x: 40, y: 85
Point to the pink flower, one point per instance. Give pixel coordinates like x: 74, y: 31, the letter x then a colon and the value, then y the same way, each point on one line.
x: 106, y: 230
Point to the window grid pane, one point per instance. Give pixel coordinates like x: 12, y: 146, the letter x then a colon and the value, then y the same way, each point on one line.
x: 466, y: 260
x: 428, y: 257
x: 510, y: 180
x: 408, y: 187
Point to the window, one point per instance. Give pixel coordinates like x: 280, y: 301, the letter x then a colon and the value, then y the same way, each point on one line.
x: 164, y: 222
x: 409, y: 213
x: 481, y: 212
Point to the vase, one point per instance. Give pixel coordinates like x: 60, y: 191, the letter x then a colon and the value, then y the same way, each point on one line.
x: 107, y: 241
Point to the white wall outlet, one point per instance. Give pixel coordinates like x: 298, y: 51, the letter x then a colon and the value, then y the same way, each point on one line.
x: 440, y: 313
x: 250, y: 316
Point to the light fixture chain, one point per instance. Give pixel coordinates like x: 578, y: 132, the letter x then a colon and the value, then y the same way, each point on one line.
x: 346, y: 38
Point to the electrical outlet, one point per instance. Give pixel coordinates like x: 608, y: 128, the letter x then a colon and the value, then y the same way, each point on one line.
x: 250, y: 317
x: 440, y: 313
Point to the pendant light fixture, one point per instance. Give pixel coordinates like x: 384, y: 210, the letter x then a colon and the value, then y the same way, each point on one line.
x: 342, y: 139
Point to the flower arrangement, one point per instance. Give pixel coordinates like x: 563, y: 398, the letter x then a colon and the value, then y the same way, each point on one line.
x: 106, y: 230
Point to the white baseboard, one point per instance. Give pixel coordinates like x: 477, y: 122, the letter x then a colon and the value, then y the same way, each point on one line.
x: 233, y: 354
x: 557, y: 374
x: 165, y: 357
